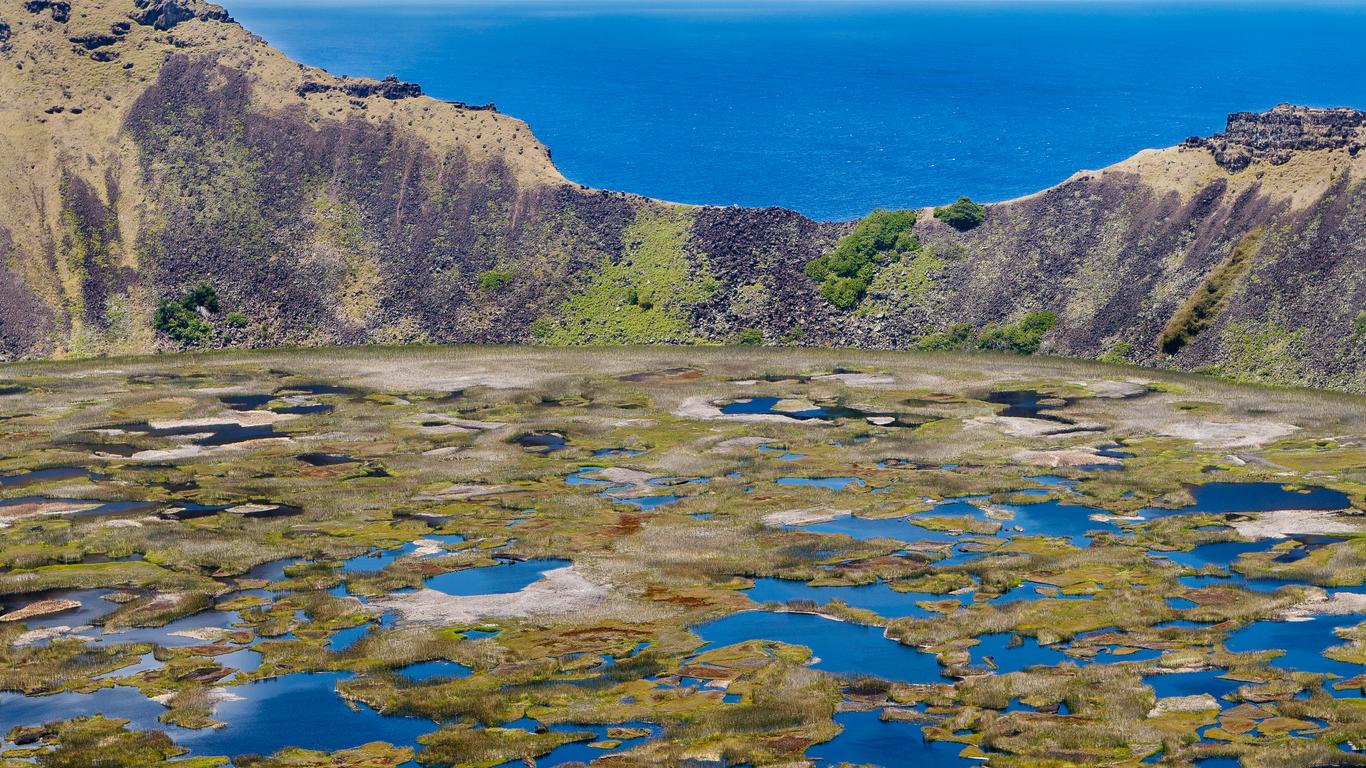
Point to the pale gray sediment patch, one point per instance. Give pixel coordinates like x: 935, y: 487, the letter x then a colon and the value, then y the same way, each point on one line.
x: 743, y: 443
x: 464, y: 492
x: 1228, y: 434
x: 1115, y: 390
x: 1016, y: 426
x: 232, y: 418
x: 871, y: 380
x: 561, y: 591
x: 40, y: 608
x: 1067, y: 457
x: 808, y: 516
x: 1202, y: 702
x: 1338, y: 604
x: 1283, y: 523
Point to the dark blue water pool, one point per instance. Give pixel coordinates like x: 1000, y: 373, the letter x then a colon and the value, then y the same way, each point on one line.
x: 879, y: 598
x: 841, y: 647
x: 1303, y: 642
x: 868, y: 740
x: 495, y: 579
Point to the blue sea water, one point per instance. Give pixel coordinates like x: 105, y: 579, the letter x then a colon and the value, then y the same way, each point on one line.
x: 833, y: 108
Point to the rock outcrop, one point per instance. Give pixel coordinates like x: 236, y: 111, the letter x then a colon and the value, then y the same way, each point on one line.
x: 1275, y: 135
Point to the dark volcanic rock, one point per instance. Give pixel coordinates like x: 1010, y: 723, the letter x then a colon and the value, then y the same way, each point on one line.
x: 25, y: 321
x: 390, y: 88
x: 164, y: 14
x: 1275, y: 134
x: 94, y: 40
x: 61, y: 10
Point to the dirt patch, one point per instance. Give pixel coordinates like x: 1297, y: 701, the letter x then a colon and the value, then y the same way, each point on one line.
x: 1199, y: 703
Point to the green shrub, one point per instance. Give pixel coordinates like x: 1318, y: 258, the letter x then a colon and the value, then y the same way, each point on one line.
x: 958, y: 336
x: 182, y: 321
x: 1117, y: 353
x: 1361, y: 323
x: 1023, y: 337
x: 494, y: 279
x: 846, y: 272
x: 236, y: 319
x: 961, y: 215
x: 750, y: 337
x: 184, y: 325
x: 201, y: 295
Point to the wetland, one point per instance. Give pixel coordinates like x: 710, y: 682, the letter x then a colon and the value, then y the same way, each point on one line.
x: 486, y: 557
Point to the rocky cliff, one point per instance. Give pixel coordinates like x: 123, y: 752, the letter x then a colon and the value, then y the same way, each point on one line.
x: 151, y: 146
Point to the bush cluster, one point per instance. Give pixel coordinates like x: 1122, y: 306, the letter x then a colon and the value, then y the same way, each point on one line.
x: 1023, y: 336
x: 962, y: 215
x: 846, y: 272
x: 182, y: 320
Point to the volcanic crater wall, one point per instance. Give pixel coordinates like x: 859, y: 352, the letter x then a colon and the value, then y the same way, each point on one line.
x: 329, y: 210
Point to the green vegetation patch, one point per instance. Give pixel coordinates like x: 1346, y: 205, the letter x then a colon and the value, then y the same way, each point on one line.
x: 183, y: 321
x: 846, y: 272
x: 494, y: 279
x: 1023, y: 336
x: 962, y: 215
x: 1203, y: 306
x: 645, y: 296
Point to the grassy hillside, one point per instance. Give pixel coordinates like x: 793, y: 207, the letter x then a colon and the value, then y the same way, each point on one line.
x: 155, y: 146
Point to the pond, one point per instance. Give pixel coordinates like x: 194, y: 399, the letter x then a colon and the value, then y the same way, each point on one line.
x: 301, y: 710
x: 839, y: 646
x: 1193, y: 683
x: 1057, y: 519
x: 97, y: 509
x: 509, y: 576
x: 996, y: 652
x: 1220, y: 498
x: 542, y: 442
x: 432, y: 670
x: 51, y: 474
x: 1028, y: 404
x: 866, y: 739
x: 208, y: 435
x: 1303, y: 642
x: 829, y: 483
x: 768, y: 406
x: 878, y: 598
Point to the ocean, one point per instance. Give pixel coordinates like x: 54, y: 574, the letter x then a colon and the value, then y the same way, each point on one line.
x: 836, y: 108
